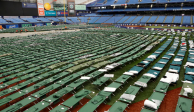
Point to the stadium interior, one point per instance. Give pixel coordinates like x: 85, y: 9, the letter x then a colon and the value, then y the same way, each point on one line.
x: 96, y: 56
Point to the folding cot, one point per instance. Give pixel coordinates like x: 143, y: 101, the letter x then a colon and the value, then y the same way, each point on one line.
x: 158, y: 51
x: 162, y: 87
x: 57, y: 95
x: 129, y: 95
x: 163, y: 61
x: 154, y: 101
x: 158, y: 66
x: 143, y: 64
x: 38, y: 107
x: 189, y: 78
x: 95, y: 74
x: 187, y: 90
x: 135, y: 70
x: 189, y: 71
x: 189, y: 64
x: 101, y: 81
x: 152, y: 73
x: 79, y: 82
x: 176, y: 62
x: 150, y: 59
x: 170, y: 53
x: 191, y: 55
x: 59, y: 108
x: 72, y: 101
x: 117, y: 107
x: 181, y: 53
x: 20, y: 104
x: 123, y: 78
x: 174, y: 69
x: 184, y: 105
x: 142, y: 82
x: 155, y: 54
x: 93, y: 103
x: 46, y: 90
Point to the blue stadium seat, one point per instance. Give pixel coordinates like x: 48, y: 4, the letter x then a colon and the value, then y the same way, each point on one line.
x: 137, y: 20
x: 43, y: 19
x: 152, y: 19
x: 186, y: 20
x: 160, y: 19
x: 102, y: 19
x: 145, y: 19
x: 93, y: 19
x: 29, y: 19
x: 121, y: 2
x: 177, y: 19
x: 53, y: 19
x: 84, y: 19
x: 63, y: 19
x: 130, y: 19
x: 114, y: 19
x: 15, y: 20
x: 74, y: 19
x: 124, y: 19
x: 2, y: 21
x: 109, y: 2
x: 168, y: 19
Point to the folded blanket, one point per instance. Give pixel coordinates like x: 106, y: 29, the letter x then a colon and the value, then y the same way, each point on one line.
x: 183, y: 107
x: 60, y: 94
x: 46, y: 90
x: 164, y: 86
x: 82, y: 94
x: 97, y: 100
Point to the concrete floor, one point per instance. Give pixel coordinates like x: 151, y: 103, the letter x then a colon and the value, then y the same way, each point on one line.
x: 32, y: 33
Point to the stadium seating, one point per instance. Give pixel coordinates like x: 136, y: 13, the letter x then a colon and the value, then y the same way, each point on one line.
x: 15, y: 20
x: 2, y: 21
x: 145, y: 19
x: 177, y: 19
x: 102, y: 19
x: 43, y: 19
x: 160, y: 19
x: 137, y: 19
x: 30, y: 19
x: 123, y: 19
x: 74, y: 19
x: 84, y: 19
x: 186, y: 20
x: 130, y: 19
x: 168, y: 19
x: 114, y: 19
x: 152, y: 19
x: 93, y: 19
x: 53, y: 19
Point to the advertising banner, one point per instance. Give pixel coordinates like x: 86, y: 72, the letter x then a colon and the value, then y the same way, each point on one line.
x: 39, y: 24
x: 29, y: 5
x: 71, y: 8
x: 26, y: 25
x: 80, y: 7
x: 40, y: 5
x: 1, y: 27
x: 61, y: 13
x: 11, y: 26
x: 50, y: 13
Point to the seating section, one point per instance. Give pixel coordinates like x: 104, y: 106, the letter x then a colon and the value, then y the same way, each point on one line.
x: 43, y: 19
x: 123, y: 19
x: 114, y: 19
x: 152, y: 19
x: 15, y: 20
x: 160, y: 19
x: 2, y: 21
x: 74, y: 19
x: 169, y: 19
x: 130, y: 19
x: 30, y: 19
x: 84, y: 19
x: 102, y: 19
x: 177, y: 19
x: 186, y: 20
x: 137, y: 20
x: 53, y: 19
x: 145, y: 19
